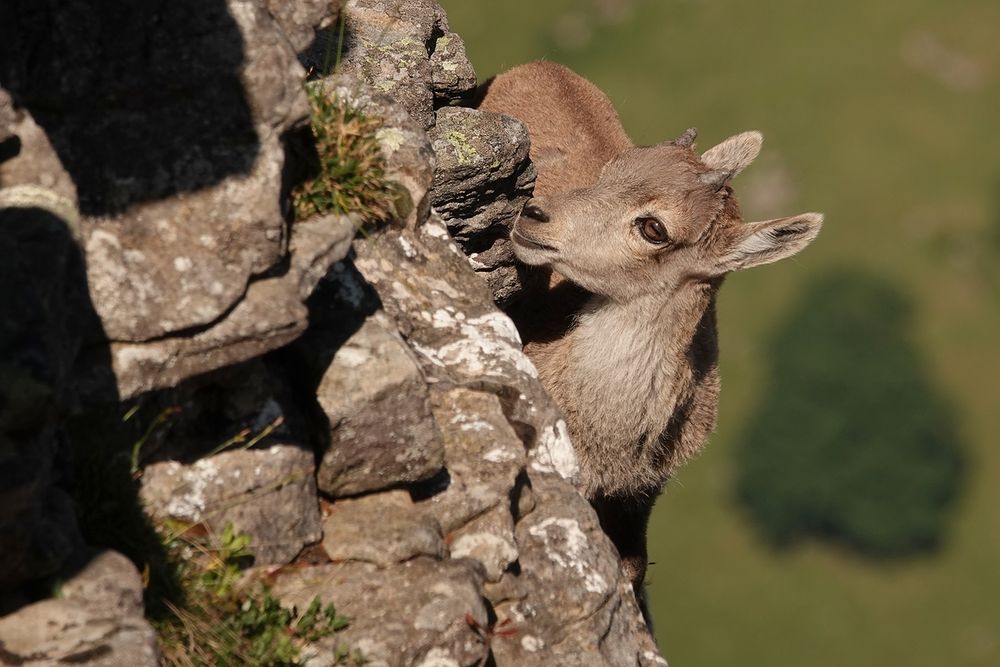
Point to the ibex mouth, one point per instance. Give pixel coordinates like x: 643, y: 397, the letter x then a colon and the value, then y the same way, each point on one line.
x: 519, y: 237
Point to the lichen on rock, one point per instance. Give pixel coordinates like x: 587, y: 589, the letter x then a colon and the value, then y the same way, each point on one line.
x: 356, y: 404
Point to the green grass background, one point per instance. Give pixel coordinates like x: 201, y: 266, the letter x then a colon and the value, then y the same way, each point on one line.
x: 906, y: 167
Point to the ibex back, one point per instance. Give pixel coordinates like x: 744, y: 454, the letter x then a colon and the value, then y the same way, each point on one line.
x: 644, y: 236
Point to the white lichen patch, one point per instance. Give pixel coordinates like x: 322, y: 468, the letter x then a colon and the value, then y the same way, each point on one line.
x: 555, y: 453
x: 408, y: 250
x: 435, y: 229
x: 438, y: 657
x: 566, y: 545
x: 470, y: 423
x: 531, y: 643
x: 477, y: 425
x: 188, y: 501
x: 182, y: 264
x: 389, y: 139
x: 499, y: 455
x: 493, y: 551
x: 352, y: 357
x: 443, y: 318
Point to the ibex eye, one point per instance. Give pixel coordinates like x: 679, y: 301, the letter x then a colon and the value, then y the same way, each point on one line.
x: 652, y: 230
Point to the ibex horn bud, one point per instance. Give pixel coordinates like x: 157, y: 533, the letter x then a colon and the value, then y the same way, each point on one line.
x: 716, y: 179
x: 686, y: 140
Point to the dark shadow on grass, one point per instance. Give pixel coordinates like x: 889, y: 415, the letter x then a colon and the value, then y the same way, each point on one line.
x: 852, y: 442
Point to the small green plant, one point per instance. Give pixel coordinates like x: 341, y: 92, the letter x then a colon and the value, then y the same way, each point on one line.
x: 225, y: 622
x: 204, y: 609
x: 350, y: 169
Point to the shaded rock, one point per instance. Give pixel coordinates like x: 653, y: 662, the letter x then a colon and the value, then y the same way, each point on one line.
x: 381, y: 429
x: 482, y: 180
x: 269, y: 316
x: 268, y: 493
x: 45, y: 306
x: 402, y: 615
x: 302, y: 20
x: 118, y: 114
x: 316, y: 245
x: 383, y: 528
x: 97, y: 621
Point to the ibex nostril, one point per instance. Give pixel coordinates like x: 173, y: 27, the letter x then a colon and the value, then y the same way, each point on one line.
x: 533, y: 211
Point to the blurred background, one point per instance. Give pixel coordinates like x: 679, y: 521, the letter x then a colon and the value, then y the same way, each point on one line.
x: 847, y: 509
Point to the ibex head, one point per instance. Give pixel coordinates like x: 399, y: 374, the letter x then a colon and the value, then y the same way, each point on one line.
x: 657, y: 217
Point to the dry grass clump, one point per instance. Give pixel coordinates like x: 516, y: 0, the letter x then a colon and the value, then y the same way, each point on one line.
x: 349, y: 174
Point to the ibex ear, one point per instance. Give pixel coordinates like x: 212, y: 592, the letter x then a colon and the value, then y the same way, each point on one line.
x: 765, y: 242
x: 735, y: 153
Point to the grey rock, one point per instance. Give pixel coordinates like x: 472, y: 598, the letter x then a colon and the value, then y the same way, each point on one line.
x: 483, y: 456
x: 315, y: 246
x: 97, y: 620
x: 304, y: 22
x: 388, y: 51
x: 268, y: 493
x: 381, y: 429
x: 482, y: 180
x: 570, y: 600
x: 452, y: 75
x: 383, y: 528
x: 271, y: 314
x: 426, y: 16
x: 489, y: 540
x: 413, y: 613
x: 447, y: 315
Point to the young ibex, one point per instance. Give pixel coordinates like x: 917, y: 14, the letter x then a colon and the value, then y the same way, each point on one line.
x: 645, y: 236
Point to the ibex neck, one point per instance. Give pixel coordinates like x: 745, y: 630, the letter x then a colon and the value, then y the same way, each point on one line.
x: 633, y: 369
x: 658, y: 330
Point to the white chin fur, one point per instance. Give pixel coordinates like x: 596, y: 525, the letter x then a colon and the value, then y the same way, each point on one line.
x: 531, y: 256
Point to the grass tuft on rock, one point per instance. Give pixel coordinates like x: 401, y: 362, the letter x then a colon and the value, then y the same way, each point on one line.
x: 349, y: 173
x: 204, y: 608
x: 225, y: 620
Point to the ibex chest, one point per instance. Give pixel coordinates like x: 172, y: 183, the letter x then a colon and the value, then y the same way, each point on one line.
x: 627, y: 382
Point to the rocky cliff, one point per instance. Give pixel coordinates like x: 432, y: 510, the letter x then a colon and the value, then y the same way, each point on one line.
x: 355, y: 404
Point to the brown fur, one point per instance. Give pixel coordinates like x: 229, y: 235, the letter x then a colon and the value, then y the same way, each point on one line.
x: 628, y: 347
